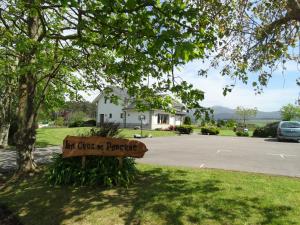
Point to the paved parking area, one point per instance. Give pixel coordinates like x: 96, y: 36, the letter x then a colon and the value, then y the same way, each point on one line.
x: 230, y: 153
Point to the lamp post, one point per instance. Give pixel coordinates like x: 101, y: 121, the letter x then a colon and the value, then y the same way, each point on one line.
x: 141, y: 118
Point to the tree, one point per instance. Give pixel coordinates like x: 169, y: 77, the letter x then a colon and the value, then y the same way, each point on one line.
x: 255, y: 37
x: 187, y: 120
x: 60, y: 47
x: 245, y: 113
x: 289, y: 112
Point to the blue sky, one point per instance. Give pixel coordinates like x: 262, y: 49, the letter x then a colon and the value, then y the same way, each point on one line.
x: 281, y: 90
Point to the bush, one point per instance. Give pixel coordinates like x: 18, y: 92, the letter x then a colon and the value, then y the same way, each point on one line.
x: 187, y: 120
x: 242, y: 134
x: 259, y: 132
x: 59, y: 121
x: 107, y: 129
x: 76, y: 119
x: 171, y: 128
x: 184, y: 129
x: 269, y: 130
x: 104, y: 171
x: 89, y: 123
x: 210, y: 130
x: 76, y: 124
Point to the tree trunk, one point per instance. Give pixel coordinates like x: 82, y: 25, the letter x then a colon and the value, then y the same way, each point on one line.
x: 27, y: 111
x: 4, y: 129
x: 25, y: 136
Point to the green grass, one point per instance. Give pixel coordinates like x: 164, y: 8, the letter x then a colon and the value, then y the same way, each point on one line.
x: 55, y: 136
x: 161, y: 196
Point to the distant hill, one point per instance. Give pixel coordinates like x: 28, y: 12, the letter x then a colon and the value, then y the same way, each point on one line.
x: 221, y: 112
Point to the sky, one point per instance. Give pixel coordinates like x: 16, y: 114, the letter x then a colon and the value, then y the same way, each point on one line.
x: 281, y: 90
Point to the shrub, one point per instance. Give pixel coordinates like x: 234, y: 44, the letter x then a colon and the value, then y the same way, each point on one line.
x: 259, y: 132
x: 230, y: 123
x: 107, y: 129
x: 104, y: 171
x: 269, y: 130
x: 89, y: 123
x: 76, y: 119
x: 171, y: 128
x: 76, y: 124
x: 187, y: 120
x: 185, y: 129
x: 242, y: 133
x: 59, y: 121
x: 210, y: 130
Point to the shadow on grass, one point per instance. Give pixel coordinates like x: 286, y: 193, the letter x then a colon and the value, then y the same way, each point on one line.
x: 162, y: 196
x: 43, y: 144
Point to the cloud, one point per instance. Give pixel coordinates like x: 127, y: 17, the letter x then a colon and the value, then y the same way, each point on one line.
x: 273, y: 98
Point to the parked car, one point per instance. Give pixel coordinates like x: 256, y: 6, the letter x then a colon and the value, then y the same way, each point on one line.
x: 288, y: 130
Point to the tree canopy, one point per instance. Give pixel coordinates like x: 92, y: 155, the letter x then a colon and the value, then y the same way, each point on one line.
x: 256, y: 37
x: 290, y: 112
x: 60, y: 47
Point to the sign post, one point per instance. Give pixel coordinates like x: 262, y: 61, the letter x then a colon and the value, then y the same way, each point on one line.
x: 141, y: 118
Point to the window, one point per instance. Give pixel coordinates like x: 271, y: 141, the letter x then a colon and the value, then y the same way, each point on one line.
x: 121, y: 115
x: 162, y: 119
x: 110, y: 115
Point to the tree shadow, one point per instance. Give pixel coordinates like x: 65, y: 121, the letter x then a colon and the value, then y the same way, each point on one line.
x: 167, y: 195
x: 275, y: 140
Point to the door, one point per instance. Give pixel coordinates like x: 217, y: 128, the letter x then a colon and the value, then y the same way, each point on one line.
x: 101, y: 119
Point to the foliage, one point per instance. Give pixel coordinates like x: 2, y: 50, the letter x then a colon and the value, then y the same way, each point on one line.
x: 59, y: 121
x: 269, y: 130
x: 260, y: 132
x: 77, y: 117
x: 62, y: 47
x: 210, y: 130
x: 245, y: 113
x: 230, y: 123
x: 255, y: 37
x: 187, y: 120
x: 242, y: 133
x: 89, y: 123
x: 185, y: 129
x: 290, y: 112
x: 104, y: 171
x: 221, y: 123
x: 171, y: 128
x: 107, y: 129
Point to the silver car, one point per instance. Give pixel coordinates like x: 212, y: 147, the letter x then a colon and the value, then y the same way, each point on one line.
x: 288, y: 130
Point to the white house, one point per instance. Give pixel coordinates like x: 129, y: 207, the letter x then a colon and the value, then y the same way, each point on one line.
x: 126, y: 114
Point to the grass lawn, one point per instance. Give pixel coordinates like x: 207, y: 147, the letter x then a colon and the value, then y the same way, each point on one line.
x: 161, y: 195
x: 55, y: 136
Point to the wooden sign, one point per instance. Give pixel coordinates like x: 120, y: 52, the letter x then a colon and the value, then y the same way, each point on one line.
x: 102, y: 146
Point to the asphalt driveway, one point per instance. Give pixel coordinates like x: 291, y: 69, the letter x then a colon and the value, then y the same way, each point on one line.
x: 230, y: 153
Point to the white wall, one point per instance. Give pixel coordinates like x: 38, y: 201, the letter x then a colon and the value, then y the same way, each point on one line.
x: 107, y: 108
x: 173, y: 120
x: 132, y: 116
